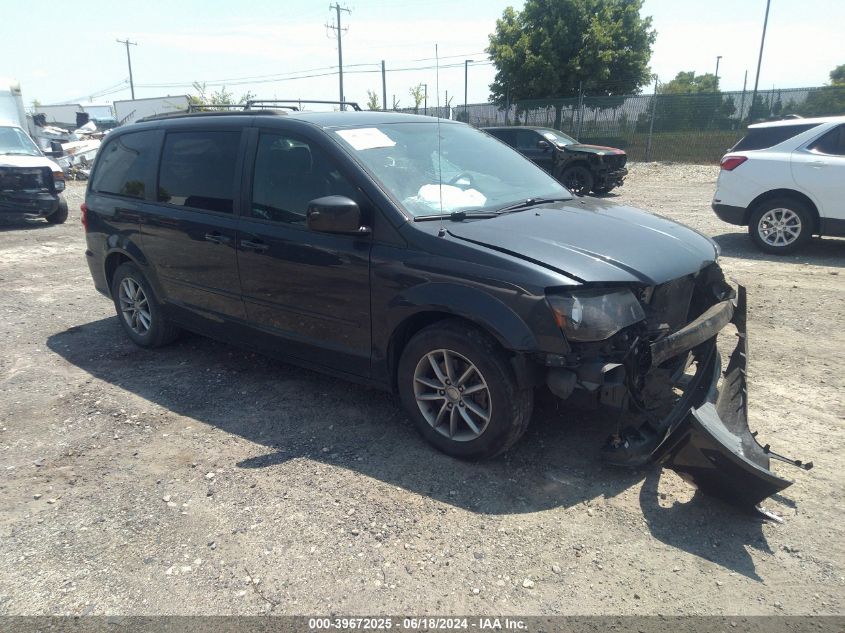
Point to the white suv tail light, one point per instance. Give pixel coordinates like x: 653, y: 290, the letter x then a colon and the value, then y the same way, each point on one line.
x: 729, y: 163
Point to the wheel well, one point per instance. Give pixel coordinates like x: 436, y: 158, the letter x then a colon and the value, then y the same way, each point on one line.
x: 785, y: 193
x: 112, y: 262
x: 408, y: 329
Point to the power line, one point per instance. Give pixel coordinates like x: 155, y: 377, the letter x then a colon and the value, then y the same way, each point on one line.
x: 330, y: 72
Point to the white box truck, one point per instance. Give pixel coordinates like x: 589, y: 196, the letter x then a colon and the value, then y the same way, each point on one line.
x: 133, y: 110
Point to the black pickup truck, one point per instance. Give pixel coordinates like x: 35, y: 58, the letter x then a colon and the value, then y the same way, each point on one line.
x: 580, y: 168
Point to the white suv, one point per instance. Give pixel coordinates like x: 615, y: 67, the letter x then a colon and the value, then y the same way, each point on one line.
x: 785, y: 181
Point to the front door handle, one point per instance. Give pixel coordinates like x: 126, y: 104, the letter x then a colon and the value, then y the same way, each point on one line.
x: 818, y: 163
x: 217, y: 238
x: 257, y: 246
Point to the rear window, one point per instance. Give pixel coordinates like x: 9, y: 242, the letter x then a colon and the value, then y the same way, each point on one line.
x: 765, y: 137
x: 123, y: 167
x: 198, y: 170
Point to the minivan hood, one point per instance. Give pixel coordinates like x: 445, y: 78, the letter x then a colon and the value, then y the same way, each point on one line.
x: 594, y: 241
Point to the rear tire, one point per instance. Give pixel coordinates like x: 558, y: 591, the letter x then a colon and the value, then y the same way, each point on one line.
x: 780, y: 226
x: 59, y: 216
x: 471, y: 406
x: 139, y: 313
x: 577, y: 179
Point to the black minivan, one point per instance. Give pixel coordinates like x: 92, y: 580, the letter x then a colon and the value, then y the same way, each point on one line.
x: 426, y: 257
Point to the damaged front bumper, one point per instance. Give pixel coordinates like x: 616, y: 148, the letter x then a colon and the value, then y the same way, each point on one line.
x: 706, y: 438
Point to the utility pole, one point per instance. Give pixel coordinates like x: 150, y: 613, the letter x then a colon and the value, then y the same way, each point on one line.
x: 467, y: 62
x: 425, y: 99
x: 383, y: 87
x: 337, y: 27
x: 759, y: 62
x: 718, y: 59
x: 129, y: 61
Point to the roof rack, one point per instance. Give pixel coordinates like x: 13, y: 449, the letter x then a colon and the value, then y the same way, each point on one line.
x: 270, y: 103
x: 253, y: 106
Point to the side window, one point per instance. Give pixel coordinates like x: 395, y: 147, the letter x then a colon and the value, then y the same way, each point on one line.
x: 527, y: 139
x: 505, y: 136
x: 198, y: 170
x: 124, y: 164
x: 832, y: 143
x: 289, y: 173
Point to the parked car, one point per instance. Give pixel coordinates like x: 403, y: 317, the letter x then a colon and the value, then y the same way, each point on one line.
x: 785, y: 181
x: 30, y: 183
x: 581, y: 168
x: 424, y: 257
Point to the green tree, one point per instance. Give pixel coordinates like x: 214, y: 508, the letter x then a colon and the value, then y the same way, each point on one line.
x: 691, y: 102
x: 826, y: 101
x: 417, y: 95
x: 372, y: 100
x: 221, y: 97
x: 552, y: 47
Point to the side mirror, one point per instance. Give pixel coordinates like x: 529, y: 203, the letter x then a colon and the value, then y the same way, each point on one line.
x: 543, y: 145
x: 335, y: 214
x: 55, y: 153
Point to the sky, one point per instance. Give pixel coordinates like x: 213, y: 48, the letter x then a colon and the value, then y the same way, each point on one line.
x: 283, y: 49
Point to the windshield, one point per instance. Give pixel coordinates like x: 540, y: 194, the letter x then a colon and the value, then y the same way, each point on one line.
x: 558, y: 138
x: 14, y: 140
x: 469, y: 171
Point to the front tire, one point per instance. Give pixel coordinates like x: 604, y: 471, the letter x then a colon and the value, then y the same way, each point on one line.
x: 780, y: 226
x: 577, y: 179
x: 459, y: 387
x: 139, y: 313
x: 59, y: 216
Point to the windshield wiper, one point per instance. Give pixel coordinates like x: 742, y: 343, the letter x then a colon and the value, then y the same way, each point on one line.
x: 17, y: 154
x: 457, y: 216
x: 528, y: 203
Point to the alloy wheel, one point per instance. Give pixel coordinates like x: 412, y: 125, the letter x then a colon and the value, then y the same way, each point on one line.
x: 452, y: 395
x: 134, y: 306
x: 779, y: 227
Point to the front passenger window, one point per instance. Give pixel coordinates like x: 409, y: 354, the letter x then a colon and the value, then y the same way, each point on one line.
x: 289, y: 173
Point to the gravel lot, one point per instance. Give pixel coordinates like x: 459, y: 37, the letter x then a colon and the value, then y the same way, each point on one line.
x: 200, y: 479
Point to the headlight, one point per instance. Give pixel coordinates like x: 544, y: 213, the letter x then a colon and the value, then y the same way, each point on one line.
x: 595, y: 315
x: 59, y: 180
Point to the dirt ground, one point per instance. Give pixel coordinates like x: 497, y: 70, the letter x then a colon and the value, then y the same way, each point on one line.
x: 200, y: 479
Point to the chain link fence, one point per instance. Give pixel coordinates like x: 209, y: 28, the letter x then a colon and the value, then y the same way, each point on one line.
x: 688, y: 128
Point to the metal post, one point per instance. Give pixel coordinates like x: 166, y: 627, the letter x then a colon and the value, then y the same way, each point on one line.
x: 580, y: 111
x: 129, y: 62
x: 718, y: 59
x: 651, y: 124
x: 383, y: 87
x: 742, y: 106
x: 466, y: 87
x: 759, y: 62
x: 425, y: 100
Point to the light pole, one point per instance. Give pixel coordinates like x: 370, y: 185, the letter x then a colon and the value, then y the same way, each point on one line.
x: 467, y: 62
x: 718, y: 59
x: 759, y: 62
x: 425, y: 99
